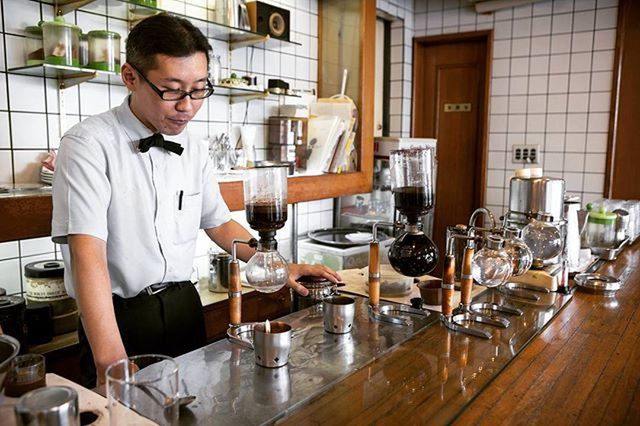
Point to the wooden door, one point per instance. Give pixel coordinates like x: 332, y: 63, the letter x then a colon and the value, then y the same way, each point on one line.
x: 622, y: 177
x: 449, y: 97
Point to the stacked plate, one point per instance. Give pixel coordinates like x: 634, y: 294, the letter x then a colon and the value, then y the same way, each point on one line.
x: 46, y: 176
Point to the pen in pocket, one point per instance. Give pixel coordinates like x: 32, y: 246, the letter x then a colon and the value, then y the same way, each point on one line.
x: 180, y: 194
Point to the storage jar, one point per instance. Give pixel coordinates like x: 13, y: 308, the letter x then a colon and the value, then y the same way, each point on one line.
x: 61, y: 42
x: 33, y: 47
x: 104, y: 51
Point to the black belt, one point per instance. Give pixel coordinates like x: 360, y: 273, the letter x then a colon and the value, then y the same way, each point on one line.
x: 157, y: 288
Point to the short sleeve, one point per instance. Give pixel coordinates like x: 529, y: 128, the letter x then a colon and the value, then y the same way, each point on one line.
x: 214, y: 209
x: 81, y: 189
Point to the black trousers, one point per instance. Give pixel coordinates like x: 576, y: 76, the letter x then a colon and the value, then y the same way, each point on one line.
x: 168, y: 323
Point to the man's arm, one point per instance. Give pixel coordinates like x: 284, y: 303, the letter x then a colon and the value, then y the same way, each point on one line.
x: 93, y: 295
x: 224, y: 234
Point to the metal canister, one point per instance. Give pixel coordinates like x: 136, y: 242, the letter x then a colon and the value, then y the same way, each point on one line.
x: 12, y: 317
x: 318, y: 287
x: 53, y: 405
x: 223, y: 265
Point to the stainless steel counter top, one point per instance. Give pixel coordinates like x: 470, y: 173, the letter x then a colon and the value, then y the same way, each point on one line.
x: 232, y: 389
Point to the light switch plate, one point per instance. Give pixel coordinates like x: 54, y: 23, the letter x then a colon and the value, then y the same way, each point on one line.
x: 526, y: 154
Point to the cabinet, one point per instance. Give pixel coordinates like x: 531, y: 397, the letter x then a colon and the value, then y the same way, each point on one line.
x: 30, y: 215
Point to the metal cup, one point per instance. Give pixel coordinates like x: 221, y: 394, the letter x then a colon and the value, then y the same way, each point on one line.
x: 272, y: 349
x: 338, y: 313
x: 53, y: 405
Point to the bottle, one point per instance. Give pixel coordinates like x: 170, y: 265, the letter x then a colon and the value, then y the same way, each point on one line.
x: 216, y: 69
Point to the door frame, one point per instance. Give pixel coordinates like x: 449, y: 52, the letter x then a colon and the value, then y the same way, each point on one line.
x: 418, y: 88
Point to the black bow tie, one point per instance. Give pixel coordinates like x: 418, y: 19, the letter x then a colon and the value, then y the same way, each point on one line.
x: 157, y: 140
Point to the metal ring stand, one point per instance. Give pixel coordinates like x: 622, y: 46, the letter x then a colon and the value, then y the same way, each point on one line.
x: 385, y: 313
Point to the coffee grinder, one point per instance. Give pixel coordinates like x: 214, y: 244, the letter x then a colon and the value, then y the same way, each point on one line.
x: 413, y: 253
x: 265, y: 197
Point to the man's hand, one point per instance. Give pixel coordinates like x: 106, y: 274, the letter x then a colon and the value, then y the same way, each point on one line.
x: 298, y: 270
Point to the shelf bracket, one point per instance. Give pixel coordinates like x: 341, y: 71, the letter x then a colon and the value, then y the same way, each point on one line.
x: 237, y: 98
x: 70, y: 80
x: 66, y: 6
x: 237, y: 43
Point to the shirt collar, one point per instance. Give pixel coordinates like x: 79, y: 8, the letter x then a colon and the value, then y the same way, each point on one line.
x: 135, y: 129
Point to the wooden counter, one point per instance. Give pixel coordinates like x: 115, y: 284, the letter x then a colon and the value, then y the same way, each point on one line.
x: 589, y: 352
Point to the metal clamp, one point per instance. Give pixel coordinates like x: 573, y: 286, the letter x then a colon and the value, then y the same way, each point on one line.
x: 385, y: 313
x: 456, y: 321
x: 478, y: 307
x: 235, y: 333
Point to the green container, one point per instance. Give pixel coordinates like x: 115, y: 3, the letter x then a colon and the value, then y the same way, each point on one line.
x: 104, y: 51
x: 61, y: 42
x: 33, y: 46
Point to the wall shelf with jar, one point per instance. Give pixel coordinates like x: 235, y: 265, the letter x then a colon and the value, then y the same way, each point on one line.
x: 67, y: 76
x: 214, y: 22
x: 30, y: 216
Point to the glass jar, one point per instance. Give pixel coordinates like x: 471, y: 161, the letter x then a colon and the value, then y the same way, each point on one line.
x: 33, y: 46
x: 491, y: 266
x: 521, y: 256
x: 104, y: 51
x: 84, y: 50
x: 61, y: 42
x: 543, y: 239
x: 216, y: 69
x: 601, y: 229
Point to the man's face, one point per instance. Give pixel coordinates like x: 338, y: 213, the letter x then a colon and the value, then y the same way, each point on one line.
x: 170, y: 73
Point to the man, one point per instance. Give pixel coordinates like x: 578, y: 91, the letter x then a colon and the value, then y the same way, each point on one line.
x: 128, y: 204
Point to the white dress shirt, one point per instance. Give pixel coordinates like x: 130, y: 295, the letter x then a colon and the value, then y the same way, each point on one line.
x: 104, y: 187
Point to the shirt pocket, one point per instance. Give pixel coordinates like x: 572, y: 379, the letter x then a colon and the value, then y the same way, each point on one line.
x: 188, y: 208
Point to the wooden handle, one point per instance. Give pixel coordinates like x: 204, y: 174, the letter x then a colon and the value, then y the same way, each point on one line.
x: 374, y: 274
x: 466, y: 280
x: 448, y: 280
x: 235, y: 294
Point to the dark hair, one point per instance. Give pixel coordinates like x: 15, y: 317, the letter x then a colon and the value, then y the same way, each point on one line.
x: 164, y: 34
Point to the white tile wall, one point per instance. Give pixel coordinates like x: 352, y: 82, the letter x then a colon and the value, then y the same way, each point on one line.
x: 551, y: 84
x: 29, y: 116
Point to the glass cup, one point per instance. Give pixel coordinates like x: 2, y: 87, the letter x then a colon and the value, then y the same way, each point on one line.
x: 27, y: 372
x: 146, y: 384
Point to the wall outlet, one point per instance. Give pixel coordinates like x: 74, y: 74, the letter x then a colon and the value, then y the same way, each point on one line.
x: 526, y: 154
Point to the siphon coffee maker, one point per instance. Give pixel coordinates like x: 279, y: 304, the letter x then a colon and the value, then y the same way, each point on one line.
x: 490, y: 267
x: 265, y: 198
x: 413, y: 253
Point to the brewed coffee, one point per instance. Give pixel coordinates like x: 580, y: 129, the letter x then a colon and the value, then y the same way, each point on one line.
x: 266, y: 217
x: 412, y: 201
x: 413, y: 254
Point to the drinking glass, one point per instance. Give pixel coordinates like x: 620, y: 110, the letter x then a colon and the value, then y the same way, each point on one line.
x: 27, y: 372
x: 146, y: 384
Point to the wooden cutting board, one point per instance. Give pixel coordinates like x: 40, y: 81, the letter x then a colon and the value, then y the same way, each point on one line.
x: 356, y: 282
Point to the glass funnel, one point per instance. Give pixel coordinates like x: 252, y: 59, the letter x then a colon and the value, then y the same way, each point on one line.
x: 412, y: 181
x: 265, y: 198
x: 491, y: 266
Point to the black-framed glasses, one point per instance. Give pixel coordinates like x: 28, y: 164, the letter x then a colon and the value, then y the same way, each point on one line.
x: 178, y: 94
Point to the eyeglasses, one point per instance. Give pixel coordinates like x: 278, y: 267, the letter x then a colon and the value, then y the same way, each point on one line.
x: 178, y: 94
